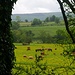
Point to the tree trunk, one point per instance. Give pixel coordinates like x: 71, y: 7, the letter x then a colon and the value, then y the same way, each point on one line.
x: 66, y: 21
x: 6, y: 43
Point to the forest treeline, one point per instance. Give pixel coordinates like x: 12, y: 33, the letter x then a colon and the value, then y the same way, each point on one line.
x: 28, y: 36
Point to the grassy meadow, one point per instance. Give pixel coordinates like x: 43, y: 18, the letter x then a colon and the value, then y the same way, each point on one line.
x: 52, y: 58
x: 50, y: 27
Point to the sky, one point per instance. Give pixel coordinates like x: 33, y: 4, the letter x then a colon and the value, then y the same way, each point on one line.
x: 35, y: 6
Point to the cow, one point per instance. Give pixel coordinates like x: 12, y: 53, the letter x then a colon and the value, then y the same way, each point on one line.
x: 28, y: 48
x: 39, y: 49
x: 25, y: 56
x: 49, y: 49
x: 42, y: 53
x: 30, y: 57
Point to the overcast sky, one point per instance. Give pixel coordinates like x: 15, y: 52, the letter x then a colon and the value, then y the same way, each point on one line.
x: 35, y: 6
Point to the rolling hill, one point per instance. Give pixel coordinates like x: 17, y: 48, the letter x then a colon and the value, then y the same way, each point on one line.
x: 40, y: 16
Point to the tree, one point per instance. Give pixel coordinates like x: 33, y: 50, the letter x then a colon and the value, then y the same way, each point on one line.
x: 15, y: 25
x: 62, y: 37
x: 17, y: 36
x: 27, y: 37
x: 47, y: 19
x: 6, y: 43
x: 45, y: 37
x: 26, y: 20
x: 57, y: 20
x: 36, y: 22
x: 18, y: 19
x: 52, y: 19
x: 66, y: 10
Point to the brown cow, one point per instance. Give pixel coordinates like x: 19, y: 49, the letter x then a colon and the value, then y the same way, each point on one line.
x: 30, y: 57
x: 42, y: 53
x: 25, y: 56
x: 40, y: 57
x: 39, y: 49
x: 49, y: 49
x: 28, y: 48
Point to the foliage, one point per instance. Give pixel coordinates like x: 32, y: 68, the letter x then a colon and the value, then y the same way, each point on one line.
x: 68, y: 9
x: 47, y: 19
x: 45, y: 37
x: 26, y: 20
x: 31, y: 34
x: 62, y: 37
x: 15, y: 25
x: 16, y: 36
x: 53, y: 18
x: 18, y: 19
x: 36, y: 22
x: 57, y: 20
x: 20, y: 36
x: 36, y: 34
x: 6, y: 43
x: 28, y: 37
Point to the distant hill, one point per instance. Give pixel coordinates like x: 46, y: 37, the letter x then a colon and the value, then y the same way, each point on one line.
x: 40, y: 16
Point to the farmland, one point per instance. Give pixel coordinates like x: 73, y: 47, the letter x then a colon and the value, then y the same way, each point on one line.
x: 22, y: 50
x: 50, y: 29
x: 52, y: 58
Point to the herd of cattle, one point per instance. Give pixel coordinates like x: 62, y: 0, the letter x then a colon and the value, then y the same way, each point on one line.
x: 41, y: 50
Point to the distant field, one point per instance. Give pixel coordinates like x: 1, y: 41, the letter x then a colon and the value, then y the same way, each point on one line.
x: 49, y: 29
x: 25, y: 23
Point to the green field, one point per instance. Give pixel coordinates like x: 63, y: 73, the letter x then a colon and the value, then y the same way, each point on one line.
x: 25, y: 23
x: 52, y: 59
x: 49, y: 29
x: 22, y: 50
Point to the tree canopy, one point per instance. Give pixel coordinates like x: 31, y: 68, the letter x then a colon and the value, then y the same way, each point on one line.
x: 36, y: 22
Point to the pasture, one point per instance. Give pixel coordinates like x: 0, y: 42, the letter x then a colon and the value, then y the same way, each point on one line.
x: 52, y: 58
x: 49, y: 29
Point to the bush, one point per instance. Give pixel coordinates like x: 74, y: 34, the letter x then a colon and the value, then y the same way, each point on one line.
x: 36, y: 22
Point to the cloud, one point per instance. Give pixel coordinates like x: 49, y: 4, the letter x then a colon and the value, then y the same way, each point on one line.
x: 36, y: 6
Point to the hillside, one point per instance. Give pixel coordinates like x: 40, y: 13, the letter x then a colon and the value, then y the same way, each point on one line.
x: 40, y: 16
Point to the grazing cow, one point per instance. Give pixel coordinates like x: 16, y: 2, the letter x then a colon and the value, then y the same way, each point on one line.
x: 40, y: 57
x: 39, y: 49
x: 54, y: 53
x: 42, y: 53
x: 30, y: 57
x: 42, y: 49
x: 49, y: 49
x: 28, y: 48
x: 24, y: 56
x: 61, y: 54
x: 55, y: 48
